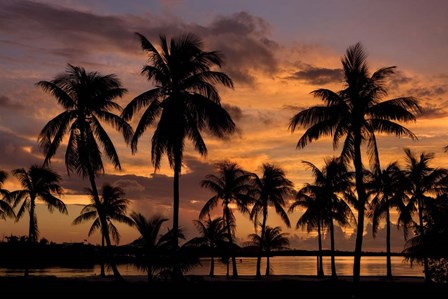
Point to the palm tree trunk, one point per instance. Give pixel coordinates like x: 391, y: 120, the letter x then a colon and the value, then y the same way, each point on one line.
x: 212, y: 266
x: 31, y: 235
x: 422, y: 233
x: 103, y: 250
x: 333, y: 260
x: 360, y: 189
x: 229, y: 234
x: 260, y: 250
x: 103, y: 222
x: 268, y: 264
x: 320, y: 269
x: 177, y: 273
x: 388, y: 258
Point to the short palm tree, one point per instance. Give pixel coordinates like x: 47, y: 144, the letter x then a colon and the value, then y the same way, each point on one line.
x: 231, y: 186
x: 39, y: 183
x: 184, y: 100
x: 269, y: 190
x: 113, y: 208
x: 5, y: 207
x: 425, y: 183
x: 388, y: 191
x: 357, y: 113
x: 151, y: 242
x: 274, y: 239
x: 88, y: 100
x: 213, y: 235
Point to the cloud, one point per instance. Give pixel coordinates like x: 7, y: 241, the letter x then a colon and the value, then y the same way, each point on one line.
x: 428, y: 92
x: 399, y: 79
x: 433, y: 111
x: 17, y: 152
x: 316, y: 75
x: 7, y: 104
x: 235, y: 112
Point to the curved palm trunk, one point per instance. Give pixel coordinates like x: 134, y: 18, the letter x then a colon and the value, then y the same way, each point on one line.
x: 268, y: 264
x: 320, y: 268
x: 103, y: 272
x: 422, y: 233
x: 388, y: 257
x: 229, y: 234
x: 333, y: 260
x: 360, y: 189
x: 177, y: 273
x: 104, y: 226
x: 260, y: 250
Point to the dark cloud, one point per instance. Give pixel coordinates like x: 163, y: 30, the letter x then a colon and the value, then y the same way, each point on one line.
x: 235, y: 112
x: 7, y: 104
x: 17, y: 152
x: 427, y: 92
x: 432, y: 111
x: 317, y: 76
x: 399, y: 79
x: 294, y: 108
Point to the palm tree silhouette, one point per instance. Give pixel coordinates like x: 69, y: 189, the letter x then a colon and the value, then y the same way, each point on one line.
x: 41, y: 183
x: 151, y: 241
x: 424, y: 181
x: 88, y: 100
x: 213, y: 235
x: 388, y: 191
x: 273, y: 239
x: 5, y: 207
x: 269, y: 190
x: 357, y: 113
x: 231, y: 186
x: 113, y: 207
x: 185, y: 100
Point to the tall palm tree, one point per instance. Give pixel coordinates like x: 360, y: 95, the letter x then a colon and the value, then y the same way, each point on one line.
x: 326, y: 198
x: 5, y: 207
x: 113, y: 207
x: 388, y: 191
x: 425, y: 182
x: 213, y: 235
x: 356, y: 113
x: 184, y: 100
x: 88, y: 99
x: 151, y: 241
x: 269, y: 190
x: 273, y: 239
x: 39, y: 183
x: 231, y: 186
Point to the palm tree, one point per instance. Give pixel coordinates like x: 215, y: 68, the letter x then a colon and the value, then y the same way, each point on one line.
x: 231, y: 186
x: 388, y: 191
x: 113, y: 207
x: 273, y: 239
x: 325, y: 203
x: 150, y: 241
x: 357, y: 113
x: 39, y: 183
x: 424, y: 181
x: 213, y: 235
x: 5, y: 207
x: 184, y: 100
x: 88, y: 100
x: 269, y: 190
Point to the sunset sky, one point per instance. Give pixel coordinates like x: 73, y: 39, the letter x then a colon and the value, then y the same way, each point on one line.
x: 276, y: 52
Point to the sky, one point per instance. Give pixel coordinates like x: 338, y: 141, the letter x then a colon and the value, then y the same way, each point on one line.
x: 276, y: 52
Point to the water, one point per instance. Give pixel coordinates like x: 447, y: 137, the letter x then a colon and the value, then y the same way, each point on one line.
x: 280, y: 265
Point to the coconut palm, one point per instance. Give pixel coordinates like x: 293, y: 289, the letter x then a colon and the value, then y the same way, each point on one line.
x: 184, y: 100
x: 231, y: 186
x: 113, y: 207
x: 269, y: 190
x: 39, y: 183
x: 88, y: 100
x: 425, y: 183
x: 151, y: 242
x: 388, y: 191
x: 213, y: 235
x: 357, y: 113
x: 274, y: 239
x: 5, y: 207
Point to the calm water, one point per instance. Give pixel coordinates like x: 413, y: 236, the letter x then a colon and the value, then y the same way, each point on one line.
x: 282, y: 265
